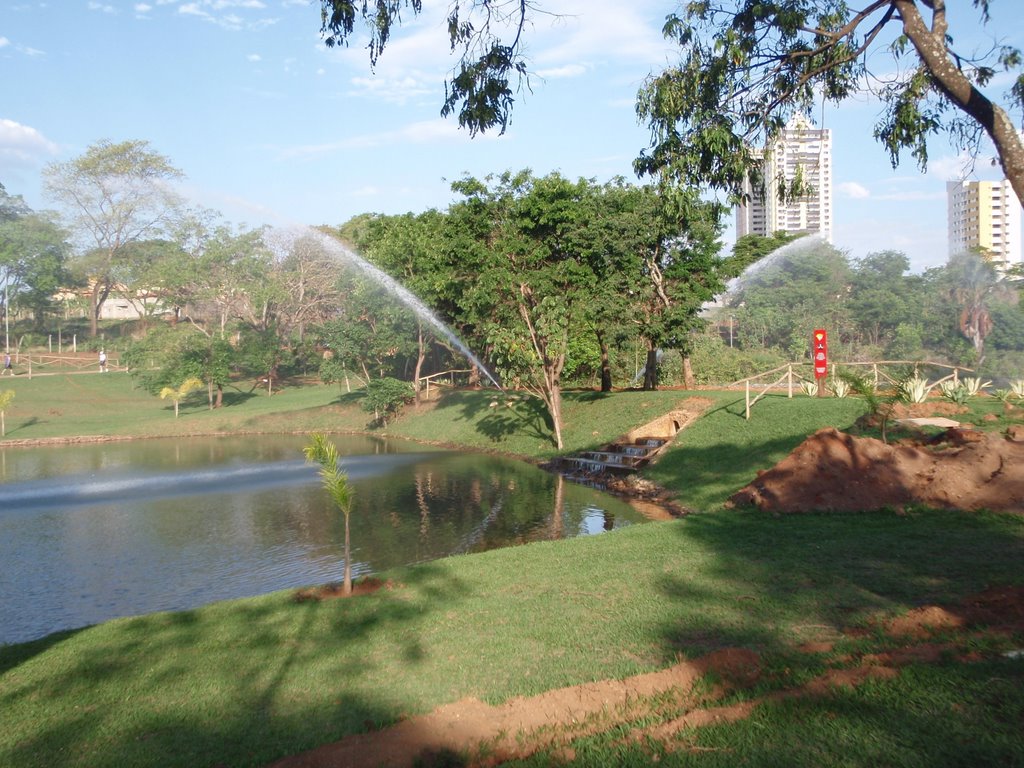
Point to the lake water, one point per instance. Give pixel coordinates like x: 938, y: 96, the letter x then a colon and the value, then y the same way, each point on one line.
x: 96, y: 531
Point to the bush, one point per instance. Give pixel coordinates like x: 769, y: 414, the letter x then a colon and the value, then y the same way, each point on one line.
x: 384, y: 397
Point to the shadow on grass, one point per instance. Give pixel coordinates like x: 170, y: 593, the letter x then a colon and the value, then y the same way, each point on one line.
x: 498, y: 416
x: 772, y: 581
x: 350, y: 398
x: 32, y: 422
x: 277, y: 677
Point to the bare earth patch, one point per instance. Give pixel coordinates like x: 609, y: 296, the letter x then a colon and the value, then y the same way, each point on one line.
x: 472, y: 733
x: 962, y: 469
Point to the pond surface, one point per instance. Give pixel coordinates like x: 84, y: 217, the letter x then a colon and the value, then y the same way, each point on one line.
x: 96, y: 531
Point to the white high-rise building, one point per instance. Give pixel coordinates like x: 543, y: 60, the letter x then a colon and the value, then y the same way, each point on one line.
x: 984, y: 215
x: 803, y: 151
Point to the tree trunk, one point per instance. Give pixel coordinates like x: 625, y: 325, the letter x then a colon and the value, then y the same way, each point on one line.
x: 421, y: 355
x: 948, y: 76
x: 606, y: 367
x: 346, y: 588
x: 555, y: 407
x: 689, y: 380
x: 651, y: 370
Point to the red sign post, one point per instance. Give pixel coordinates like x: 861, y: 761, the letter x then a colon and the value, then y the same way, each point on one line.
x: 819, y: 348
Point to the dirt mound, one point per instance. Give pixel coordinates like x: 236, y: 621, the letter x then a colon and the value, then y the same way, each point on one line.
x: 834, y: 471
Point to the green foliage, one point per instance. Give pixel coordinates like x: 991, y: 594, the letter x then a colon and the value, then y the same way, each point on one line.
x: 386, y: 396
x: 746, y: 67
x: 954, y: 392
x: 974, y: 385
x: 479, y: 90
x: 914, y: 389
x: 716, y: 363
x: 325, y: 453
x: 168, y: 355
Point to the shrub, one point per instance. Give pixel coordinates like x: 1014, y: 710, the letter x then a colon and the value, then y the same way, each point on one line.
x: 384, y: 397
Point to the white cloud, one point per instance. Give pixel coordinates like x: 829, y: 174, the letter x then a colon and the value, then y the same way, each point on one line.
x: 423, y: 132
x: 22, y: 146
x: 395, y: 90
x: 210, y: 10
x: 102, y: 7
x: 853, y: 189
x: 254, y: 57
x: 143, y: 8
x: 4, y: 42
x: 557, y: 73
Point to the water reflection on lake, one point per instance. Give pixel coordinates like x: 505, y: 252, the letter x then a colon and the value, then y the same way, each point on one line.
x: 91, y: 532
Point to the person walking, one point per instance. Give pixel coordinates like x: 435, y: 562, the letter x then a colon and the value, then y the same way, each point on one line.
x: 103, y: 361
x: 8, y: 369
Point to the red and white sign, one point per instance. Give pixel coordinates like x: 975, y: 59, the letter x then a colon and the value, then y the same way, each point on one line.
x: 819, y: 353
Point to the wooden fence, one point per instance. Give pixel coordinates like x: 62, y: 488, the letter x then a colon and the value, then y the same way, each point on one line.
x: 881, y: 375
x: 67, y: 364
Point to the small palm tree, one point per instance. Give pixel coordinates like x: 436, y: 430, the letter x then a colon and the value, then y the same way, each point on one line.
x: 5, y: 400
x: 177, y: 395
x: 324, y: 453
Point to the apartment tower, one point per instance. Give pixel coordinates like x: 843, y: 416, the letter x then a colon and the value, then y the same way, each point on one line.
x: 984, y: 215
x: 803, y: 151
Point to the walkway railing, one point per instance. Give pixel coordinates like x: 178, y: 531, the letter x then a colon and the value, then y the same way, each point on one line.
x: 794, y: 373
x: 44, y: 364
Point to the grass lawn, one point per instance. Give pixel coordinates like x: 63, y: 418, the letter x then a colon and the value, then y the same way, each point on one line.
x: 242, y: 683
x: 245, y: 682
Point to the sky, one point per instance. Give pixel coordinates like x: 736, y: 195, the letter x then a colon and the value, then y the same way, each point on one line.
x: 270, y: 126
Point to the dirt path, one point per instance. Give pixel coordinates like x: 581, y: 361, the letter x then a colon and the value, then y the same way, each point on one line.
x: 472, y: 733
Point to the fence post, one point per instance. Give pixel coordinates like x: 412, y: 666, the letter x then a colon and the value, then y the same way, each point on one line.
x: 30, y: 366
x: 789, y: 377
x: 747, y: 385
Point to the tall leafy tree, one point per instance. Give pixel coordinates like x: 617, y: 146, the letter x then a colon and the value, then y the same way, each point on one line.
x: 409, y: 248
x: 883, y: 296
x: 532, y: 283
x: 113, y: 195
x: 780, y: 304
x: 34, y: 251
x: 974, y: 285
x: 680, y: 269
x: 747, y: 65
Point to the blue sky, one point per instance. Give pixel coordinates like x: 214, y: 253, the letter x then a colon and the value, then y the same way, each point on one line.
x: 271, y: 127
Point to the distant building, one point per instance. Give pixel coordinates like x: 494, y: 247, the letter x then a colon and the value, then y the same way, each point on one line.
x: 984, y: 215
x: 799, y: 150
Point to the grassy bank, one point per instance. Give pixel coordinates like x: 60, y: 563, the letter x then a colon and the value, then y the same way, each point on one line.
x: 242, y: 683
x: 245, y: 682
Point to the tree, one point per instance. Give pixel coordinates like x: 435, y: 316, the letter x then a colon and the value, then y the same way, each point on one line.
x: 530, y: 281
x: 324, y: 453
x: 974, y: 283
x: 179, y: 393
x: 479, y: 91
x: 682, y: 272
x: 783, y: 302
x: 114, y: 195
x: 33, y: 257
x: 747, y: 65
x: 408, y: 248
x: 385, y: 396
